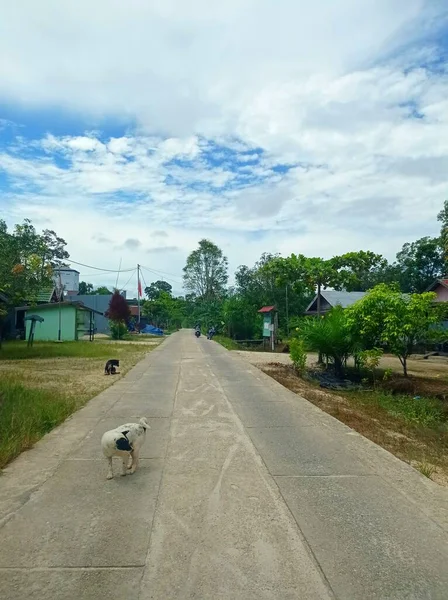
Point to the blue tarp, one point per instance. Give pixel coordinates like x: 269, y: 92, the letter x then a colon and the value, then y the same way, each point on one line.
x: 152, y: 330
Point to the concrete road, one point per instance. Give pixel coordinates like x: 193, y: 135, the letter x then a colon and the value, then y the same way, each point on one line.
x: 245, y: 492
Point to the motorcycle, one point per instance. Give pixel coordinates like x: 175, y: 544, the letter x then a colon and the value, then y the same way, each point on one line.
x: 197, y: 333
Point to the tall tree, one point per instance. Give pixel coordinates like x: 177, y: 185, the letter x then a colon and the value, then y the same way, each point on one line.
x: 443, y: 218
x: 205, y: 273
x: 54, y: 249
x: 419, y: 263
x: 154, y: 290
x: 359, y: 271
x: 24, y: 268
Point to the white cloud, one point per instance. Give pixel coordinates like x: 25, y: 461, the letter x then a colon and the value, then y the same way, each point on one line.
x: 310, y: 84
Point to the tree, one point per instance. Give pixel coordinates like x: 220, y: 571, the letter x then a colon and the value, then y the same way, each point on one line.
x: 205, y: 273
x: 443, y: 218
x: 419, y: 263
x: 118, y: 310
x: 102, y: 291
x: 387, y: 317
x: 24, y: 268
x: 165, y: 311
x: 359, y: 271
x: 54, y: 249
x: 154, y: 290
x: 85, y: 289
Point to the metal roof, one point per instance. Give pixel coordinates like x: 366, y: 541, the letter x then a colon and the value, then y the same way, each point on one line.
x: 266, y: 309
x: 56, y: 305
x: 443, y: 281
x: 335, y: 298
x: 45, y: 294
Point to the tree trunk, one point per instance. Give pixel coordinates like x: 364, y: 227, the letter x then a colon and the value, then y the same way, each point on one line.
x: 338, y: 367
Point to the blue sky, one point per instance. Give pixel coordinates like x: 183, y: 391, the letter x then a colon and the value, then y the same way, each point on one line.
x: 292, y: 126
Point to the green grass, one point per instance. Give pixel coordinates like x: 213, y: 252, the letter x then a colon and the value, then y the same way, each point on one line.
x: 426, y: 469
x: 141, y: 337
x: 425, y: 412
x: 81, y: 349
x: 26, y: 415
x: 43, y: 385
x: 228, y: 343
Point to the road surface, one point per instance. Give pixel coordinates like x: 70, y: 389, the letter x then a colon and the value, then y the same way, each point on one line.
x: 245, y: 492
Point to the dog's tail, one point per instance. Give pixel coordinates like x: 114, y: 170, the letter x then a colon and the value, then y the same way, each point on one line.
x: 144, y: 423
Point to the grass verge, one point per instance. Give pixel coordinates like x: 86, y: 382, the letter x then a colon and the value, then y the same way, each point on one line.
x: 43, y: 385
x: 226, y: 342
x: 414, y: 430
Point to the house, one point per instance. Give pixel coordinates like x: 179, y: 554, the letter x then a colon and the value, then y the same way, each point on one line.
x: 331, y: 298
x: 45, y: 295
x: 65, y: 321
x: 99, y: 303
x: 440, y: 287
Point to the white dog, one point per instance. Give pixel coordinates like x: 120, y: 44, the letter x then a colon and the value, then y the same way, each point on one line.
x: 124, y: 441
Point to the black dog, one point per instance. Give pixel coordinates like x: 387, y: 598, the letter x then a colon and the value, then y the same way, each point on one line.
x: 110, y: 369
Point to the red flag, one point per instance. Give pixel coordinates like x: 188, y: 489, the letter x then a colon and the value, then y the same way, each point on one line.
x: 139, y: 289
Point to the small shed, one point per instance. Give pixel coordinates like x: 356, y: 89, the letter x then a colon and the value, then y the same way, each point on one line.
x: 331, y: 298
x: 63, y: 321
x: 270, y: 325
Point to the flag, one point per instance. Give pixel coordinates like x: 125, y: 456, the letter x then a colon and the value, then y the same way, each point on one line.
x: 139, y: 289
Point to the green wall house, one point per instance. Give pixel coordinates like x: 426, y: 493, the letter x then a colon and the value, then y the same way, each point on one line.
x: 73, y: 319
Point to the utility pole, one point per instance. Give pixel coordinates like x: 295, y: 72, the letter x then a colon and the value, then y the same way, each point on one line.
x: 287, y: 311
x: 139, y: 291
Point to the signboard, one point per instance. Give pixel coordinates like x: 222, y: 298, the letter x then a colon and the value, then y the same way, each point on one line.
x: 267, y: 325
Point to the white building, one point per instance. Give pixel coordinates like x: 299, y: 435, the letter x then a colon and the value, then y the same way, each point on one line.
x: 69, y: 278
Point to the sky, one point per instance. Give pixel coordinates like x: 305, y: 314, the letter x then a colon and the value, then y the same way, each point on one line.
x: 134, y: 129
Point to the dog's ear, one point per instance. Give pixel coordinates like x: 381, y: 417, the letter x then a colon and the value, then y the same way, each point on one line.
x: 144, y: 423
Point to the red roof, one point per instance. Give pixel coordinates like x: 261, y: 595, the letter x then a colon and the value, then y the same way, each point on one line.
x: 266, y: 309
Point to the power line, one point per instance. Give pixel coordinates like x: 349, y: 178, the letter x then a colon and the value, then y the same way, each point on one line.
x: 132, y: 275
x: 172, y: 277
x: 99, y: 269
x: 158, y: 273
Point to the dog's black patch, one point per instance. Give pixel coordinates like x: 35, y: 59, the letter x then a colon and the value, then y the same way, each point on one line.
x: 109, y: 368
x: 123, y: 443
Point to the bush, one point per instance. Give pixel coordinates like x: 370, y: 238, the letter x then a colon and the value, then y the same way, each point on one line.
x: 118, y: 329
x: 331, y: 336
x: 370, y: 360
x: 297, y: 352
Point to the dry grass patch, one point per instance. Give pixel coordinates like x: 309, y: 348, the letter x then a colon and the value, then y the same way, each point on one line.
x: 41, y: 386
x: 415, y: 431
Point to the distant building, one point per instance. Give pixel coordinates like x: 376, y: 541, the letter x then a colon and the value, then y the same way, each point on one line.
x: 69, y: 278
x: 440, y: 287
x: 98, y: 303
x: 331, y: 298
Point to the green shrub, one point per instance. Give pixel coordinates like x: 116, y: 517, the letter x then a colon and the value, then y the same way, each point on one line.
x: 298, y: 355
x: 118, y: 329
x: 370, y: 360
x: 332, y: 336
